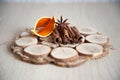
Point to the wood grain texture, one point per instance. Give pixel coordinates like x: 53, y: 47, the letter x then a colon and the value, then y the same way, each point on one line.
x: 105, y: 17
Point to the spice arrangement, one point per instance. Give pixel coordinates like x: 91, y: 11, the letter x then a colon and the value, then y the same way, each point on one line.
x: 55, y: 41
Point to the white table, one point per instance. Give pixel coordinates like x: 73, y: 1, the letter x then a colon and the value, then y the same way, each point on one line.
x: 14, y: 18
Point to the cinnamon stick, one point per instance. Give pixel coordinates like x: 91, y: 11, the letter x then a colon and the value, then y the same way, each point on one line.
x: 65, y: 33
x: 77, y: 33
x: 66, y: 36
x: 70, y: 31
x: 65, y: 40
x: 56, y: 36
x: 71, y: 34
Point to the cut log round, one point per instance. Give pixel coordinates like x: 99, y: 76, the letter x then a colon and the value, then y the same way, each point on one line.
x: 105, y: 52
x: 53, y: 45
x: 19, y: 53
x: 90, y: 49
x: 69, y: 45
x: 82, y: 39
x: 79, y: 61
x: 64, y: 54
x: 24, y: 34
x: 26, y: 41
x: 39, y: 60
x: 99, y: 39
x: 37, y: 50
x: 87, y: 30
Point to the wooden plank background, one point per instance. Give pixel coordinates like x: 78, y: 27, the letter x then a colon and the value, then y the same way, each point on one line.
x: 15, y: 17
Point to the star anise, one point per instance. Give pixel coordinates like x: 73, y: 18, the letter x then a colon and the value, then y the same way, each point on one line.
x: 61, y: 21
x: 60, y: 24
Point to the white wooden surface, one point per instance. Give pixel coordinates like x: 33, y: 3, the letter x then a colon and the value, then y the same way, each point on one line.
x: 54, y: 1
x: 105, y: 17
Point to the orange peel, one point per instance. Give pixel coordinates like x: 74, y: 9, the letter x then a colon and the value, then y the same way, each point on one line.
x: 44, y: 27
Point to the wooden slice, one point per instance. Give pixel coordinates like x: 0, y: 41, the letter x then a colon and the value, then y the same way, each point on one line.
x: 26, y: 58
x: 25, y: 34
x: 37, y: 50
x: 26, y: 41
x: 87, y: 30
x: 90, y: 49
x: 69, y: 45
x: 79, y: 61
x: 99, y: 39
x: 64, y: 54
x: 49, y: 44
x: 19, y: 53
x: 105, y: 52
x: 39, y: 60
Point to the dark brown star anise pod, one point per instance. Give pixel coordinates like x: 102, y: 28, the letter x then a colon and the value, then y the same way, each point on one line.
x: 61, y: 21
x: 60, y: 24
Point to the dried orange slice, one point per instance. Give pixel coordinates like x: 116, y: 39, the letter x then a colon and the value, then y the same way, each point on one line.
x: 44, y: 27
x: 42, y: 22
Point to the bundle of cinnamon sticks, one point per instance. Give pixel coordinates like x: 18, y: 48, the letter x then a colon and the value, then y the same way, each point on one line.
x: 64, y: 34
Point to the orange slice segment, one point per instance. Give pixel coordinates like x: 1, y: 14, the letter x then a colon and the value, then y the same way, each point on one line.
x: 42, y: 22
x: 48, y: 28
x: 44, y: 27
